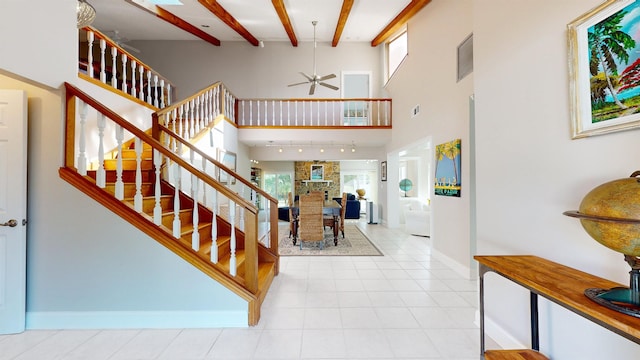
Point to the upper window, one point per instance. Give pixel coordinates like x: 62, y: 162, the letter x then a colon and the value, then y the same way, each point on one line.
x: 396, y: 52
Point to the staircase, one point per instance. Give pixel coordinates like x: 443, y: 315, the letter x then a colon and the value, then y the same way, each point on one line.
x: 136, y: 185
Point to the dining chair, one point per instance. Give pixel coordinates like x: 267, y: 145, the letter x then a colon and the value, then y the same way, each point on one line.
x: 291, y: 219
x: 343, y: 211
x: 310, y: 219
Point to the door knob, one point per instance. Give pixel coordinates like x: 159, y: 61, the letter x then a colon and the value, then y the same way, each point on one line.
x: 10, y: 223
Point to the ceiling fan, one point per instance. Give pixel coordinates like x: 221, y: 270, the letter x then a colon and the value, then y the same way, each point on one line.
x: 315, y: 79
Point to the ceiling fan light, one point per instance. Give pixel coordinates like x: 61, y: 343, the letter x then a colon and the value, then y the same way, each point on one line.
x: 86, y: 13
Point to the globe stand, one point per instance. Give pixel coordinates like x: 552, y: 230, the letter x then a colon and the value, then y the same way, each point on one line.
x: 621, y: 299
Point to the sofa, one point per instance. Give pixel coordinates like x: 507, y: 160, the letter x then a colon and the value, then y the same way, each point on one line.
x: 417, y: 218
x: 353, y: 206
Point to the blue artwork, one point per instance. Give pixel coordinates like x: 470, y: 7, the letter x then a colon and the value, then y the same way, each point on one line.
x: 447, y: 179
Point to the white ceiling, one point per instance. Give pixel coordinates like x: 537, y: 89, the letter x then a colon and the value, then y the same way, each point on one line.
x: 366, y: 19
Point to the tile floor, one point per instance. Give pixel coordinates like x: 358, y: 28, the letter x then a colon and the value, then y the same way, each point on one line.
x: 404, y: 305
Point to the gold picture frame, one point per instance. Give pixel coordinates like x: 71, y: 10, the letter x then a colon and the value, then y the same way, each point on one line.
x: 604, y: 98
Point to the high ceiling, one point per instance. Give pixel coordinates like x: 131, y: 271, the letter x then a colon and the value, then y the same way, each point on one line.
x: 256, y: 20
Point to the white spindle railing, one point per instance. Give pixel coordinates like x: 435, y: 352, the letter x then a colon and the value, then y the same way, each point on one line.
x: 155, y: 90
x: 314, y: 113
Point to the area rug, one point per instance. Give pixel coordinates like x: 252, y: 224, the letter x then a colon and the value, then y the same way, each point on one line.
x: 355, y: 243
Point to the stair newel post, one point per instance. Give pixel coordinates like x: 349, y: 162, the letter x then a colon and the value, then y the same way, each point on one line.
x: 137, y: 199
x: 103, y: 65
x: 119, y: 183
x: 232, y: 243
x: 101, y: 174
x: 176, y: 197
x: 90, y: 38
x: 134, y: 91
x: 141, y: 85
x: 125, y: 89
x: 195, y: 235
x: 157, y: 209
x: 114, y: 67
x: 82, y: 151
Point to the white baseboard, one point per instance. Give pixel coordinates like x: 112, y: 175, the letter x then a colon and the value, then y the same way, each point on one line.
x: 135, y: 319
x: 499, y: 335
x: 454, y: 265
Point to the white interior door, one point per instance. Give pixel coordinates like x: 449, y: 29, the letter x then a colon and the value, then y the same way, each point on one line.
x: 13, y: 214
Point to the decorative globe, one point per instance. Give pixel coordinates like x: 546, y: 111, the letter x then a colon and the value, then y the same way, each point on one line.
x: 360, y: 192
x: 610, y: 213
x: 406, y: 185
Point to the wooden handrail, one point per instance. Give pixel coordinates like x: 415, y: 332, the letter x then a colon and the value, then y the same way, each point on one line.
x: 73, y: 91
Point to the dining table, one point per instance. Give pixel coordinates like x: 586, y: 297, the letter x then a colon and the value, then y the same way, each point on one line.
x: 329, y: 207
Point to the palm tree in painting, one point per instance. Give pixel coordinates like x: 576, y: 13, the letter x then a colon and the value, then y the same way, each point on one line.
x: 451, y: 150
x: 606, y: 41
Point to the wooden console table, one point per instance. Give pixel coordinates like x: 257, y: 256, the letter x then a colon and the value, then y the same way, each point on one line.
x: 558, y: 283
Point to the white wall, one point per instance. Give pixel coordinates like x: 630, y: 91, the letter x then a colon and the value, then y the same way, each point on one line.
x: 254, y: 72
x: 25, y: 46
x: 529, y: 170
x: 428, y: 78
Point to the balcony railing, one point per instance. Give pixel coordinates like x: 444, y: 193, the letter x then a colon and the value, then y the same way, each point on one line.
x: 314, y: 112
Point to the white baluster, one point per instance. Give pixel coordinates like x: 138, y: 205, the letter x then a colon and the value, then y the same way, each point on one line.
x: 258, y: 112
x: 119, y: 183
x: 161, y: 93
x: 157, y: 209
x: 155, y: 91
x: 90, y: 38
x: 250, y: 113
x: 214, y: 227
x: 114, y: 68
x: 333, y: 112
x: 141, y: 85
x: 295, y: 120
x: 169, y: 94
x: 176, y: 202
x: 232, y: 242
x: 192, y: 122
x: 206, y: 108
x: 273, y: 112
x: 149, y: 99
x: 101, y: 174
x: 134, y: 91
x: 280, y: 112
x: 82, y: 151
x: 196, y: 118
x: 103, y: 65
x: 125, y: 87
x: 326, y: 118
x: 180, y: 121
x: 137, y: 199
x: 195, y: 236
x: 304, y: 113
x: 288, y: 113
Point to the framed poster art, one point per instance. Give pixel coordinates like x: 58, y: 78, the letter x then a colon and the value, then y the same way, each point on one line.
x: 604, y: 68
x: 447, y: 178
x: 228, y: 159
x: 383, y: 171
x: 317, y: 173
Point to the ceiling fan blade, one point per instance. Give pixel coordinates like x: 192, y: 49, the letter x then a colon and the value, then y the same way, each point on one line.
x: 326, y: 77
x: 300, y: 83
x: 329, y: 86
x: 307, y: 76
x: 312, y: 89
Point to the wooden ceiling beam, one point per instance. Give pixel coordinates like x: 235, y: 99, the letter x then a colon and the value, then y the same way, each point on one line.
x: 222, y: 14
x: 175, y: 21
x: 284, y: 19
x: 342, y: 21
x: 399, y: 21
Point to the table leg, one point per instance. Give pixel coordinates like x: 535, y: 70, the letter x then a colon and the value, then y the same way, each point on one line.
x: 336, y: 223
x: 295, y: 230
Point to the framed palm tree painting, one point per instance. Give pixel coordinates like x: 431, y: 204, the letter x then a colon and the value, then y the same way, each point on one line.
x: 447, y: 179
x: 604, y: 69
